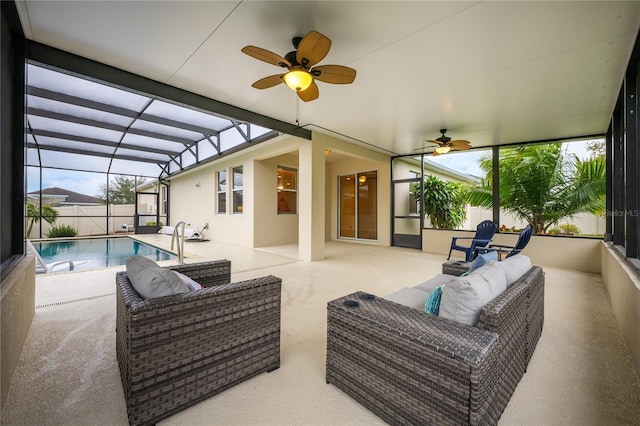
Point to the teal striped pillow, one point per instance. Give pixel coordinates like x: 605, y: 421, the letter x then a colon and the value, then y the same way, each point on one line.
x: 432, y: 303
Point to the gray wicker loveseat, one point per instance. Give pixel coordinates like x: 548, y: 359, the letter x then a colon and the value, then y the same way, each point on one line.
x: 178, y: 350
x: 411, y: 367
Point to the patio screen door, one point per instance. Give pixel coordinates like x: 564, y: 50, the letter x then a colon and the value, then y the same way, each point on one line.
x: 147, y: 213
x: 407, y: 214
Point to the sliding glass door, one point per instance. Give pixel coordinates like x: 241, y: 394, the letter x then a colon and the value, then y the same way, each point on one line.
x: 358, y: 205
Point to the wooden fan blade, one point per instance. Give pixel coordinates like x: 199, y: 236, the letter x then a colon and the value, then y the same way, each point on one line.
x: 434, y: 141
x: 266, y: 56
x: 460, y: 148
x: 310, y: 94
x: 336, y: 74
x: 265, y: 83
x: 312, y: 49
x: 460, y: 144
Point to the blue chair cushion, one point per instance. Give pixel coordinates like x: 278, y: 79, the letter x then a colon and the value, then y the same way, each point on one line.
x: 482, y: 259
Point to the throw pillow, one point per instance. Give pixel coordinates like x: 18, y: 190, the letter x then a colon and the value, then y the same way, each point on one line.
x: 462, y: 300
x: 150, y: 280
x: 193, y: 285
x: 482, y: 259
x: 432, y: 303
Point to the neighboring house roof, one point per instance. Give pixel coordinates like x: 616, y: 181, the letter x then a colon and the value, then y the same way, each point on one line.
x: 431, y: 167
x: 67, y: 197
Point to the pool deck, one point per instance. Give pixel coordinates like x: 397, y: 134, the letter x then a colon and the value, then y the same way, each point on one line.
x: 64, y: 287
x: 580, y: 373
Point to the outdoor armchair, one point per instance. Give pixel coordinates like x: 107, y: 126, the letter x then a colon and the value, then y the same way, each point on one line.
x: 508, y: 251
x: 176, y: 351
x: 484, y: 234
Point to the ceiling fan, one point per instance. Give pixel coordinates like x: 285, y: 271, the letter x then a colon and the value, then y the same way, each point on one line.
x: 445, y: 144
x: 310, y: 50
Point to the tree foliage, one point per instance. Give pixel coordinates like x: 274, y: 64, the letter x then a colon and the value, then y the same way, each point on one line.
x: 122, y: 190
x: 542, y: 186
x: 444, y: 202
x: 49, y: 215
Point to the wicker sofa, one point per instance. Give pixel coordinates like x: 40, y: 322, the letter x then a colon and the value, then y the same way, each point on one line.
x: 409, y: 367
x: 176, y: 351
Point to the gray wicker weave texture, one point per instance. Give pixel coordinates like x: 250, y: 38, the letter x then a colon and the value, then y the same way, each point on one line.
x: 176, y: 351
x: 455, y: 267
x: 413, y: 368
x: 409, y: 367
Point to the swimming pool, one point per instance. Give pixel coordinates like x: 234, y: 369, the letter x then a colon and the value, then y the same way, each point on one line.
x: 99, y: 252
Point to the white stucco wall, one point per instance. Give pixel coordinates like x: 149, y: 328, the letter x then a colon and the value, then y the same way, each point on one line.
x: 354, y: 159
x: 623, y: 285
x: 193, y: 199
x: 581, y: 254
x: 271, y: 228
x: 193, y: 193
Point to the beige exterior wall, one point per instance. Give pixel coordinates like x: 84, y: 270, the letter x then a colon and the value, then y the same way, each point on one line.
x: 260, y: 224
x: 354, y: 165
x: 271, y: 228
x: 18, y: 294
x: 581, y: 254
x: 193, y: 199
x: 623, y: 285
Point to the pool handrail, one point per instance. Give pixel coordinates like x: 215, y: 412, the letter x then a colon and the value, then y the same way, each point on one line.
x: 180, y: 245
x: 43, y: 267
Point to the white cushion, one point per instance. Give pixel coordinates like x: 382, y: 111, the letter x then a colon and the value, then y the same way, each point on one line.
x: 515, y: 267
x: 438, y: 280
x: 193, y: 285
x: 462, y: 300
x: 150, y: 280
x: 411, y: 297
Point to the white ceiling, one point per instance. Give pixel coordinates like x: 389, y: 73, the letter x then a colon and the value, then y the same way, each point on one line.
x: 490, y: 72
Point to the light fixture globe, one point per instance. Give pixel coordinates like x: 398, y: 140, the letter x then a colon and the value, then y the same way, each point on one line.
x: 443, y: 149
x: 298, y: 80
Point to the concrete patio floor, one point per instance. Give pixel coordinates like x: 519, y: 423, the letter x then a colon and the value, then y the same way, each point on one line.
x: 580, y: 373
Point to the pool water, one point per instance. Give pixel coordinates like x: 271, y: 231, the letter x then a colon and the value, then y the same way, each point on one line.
x: 99, y: 252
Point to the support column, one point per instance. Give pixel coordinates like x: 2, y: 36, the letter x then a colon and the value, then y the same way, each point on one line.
x: 311, y: 200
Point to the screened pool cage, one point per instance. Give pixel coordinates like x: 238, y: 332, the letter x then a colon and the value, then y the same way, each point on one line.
x: 100, y: 157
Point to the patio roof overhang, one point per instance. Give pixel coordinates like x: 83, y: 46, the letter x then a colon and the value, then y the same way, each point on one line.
x: 83, y: 115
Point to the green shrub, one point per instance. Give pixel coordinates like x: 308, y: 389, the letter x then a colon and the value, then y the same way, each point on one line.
x: 569, y: 228
x: 62, y: 231
x: 153, y: 223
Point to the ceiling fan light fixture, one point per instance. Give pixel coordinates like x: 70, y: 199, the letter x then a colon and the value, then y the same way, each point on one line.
x: 298, y: 80
x: 443, y: 149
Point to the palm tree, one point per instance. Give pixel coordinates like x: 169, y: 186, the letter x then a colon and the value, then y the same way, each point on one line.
x: 49, y: 214
x: 540, y: 185
x: 444, y: 202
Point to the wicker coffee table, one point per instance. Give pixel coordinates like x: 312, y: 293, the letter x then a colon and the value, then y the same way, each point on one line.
x: 455, y: 267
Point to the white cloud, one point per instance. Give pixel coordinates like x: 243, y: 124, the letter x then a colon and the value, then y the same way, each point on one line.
x: 81, y: 182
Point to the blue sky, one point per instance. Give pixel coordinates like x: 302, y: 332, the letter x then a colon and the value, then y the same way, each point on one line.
x: 86, y: 183
x: 468, y: 161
